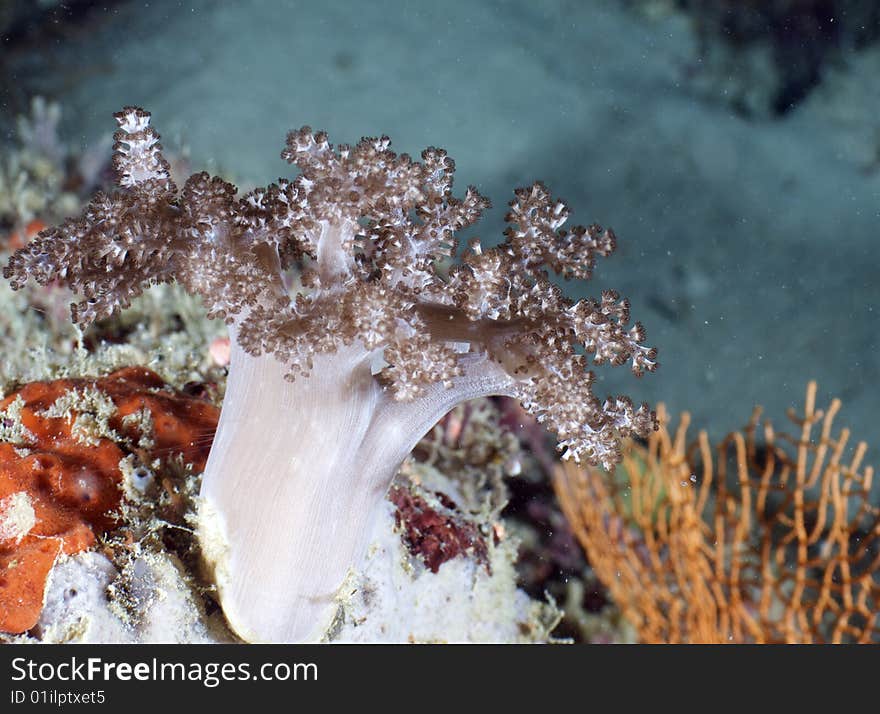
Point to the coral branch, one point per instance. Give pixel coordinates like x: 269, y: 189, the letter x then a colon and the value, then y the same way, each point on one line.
x: 782, y: 549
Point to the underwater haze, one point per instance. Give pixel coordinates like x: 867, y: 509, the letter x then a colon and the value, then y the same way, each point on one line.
x: 737, y: 162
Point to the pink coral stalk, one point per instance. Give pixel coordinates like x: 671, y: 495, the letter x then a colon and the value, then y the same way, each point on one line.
x: 331, y: 387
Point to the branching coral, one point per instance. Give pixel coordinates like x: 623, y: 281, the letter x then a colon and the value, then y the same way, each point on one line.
x: 330, y: 388
x: 784, y: 547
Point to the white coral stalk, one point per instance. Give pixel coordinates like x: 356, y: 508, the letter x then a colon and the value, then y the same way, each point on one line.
x: 296, y: 477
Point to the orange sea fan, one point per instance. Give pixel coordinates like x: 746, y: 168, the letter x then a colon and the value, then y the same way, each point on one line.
x: 769, y: 541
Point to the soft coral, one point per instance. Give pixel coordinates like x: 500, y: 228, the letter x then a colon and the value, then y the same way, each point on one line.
x: 329, y: 389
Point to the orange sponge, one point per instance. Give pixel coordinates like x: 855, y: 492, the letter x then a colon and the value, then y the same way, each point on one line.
x: 60, y: 479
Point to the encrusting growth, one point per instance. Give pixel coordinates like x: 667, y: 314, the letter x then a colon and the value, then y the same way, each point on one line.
x: 331, y: 386
x: 62, y: 446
